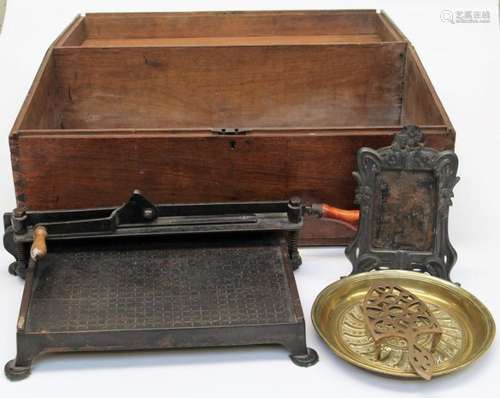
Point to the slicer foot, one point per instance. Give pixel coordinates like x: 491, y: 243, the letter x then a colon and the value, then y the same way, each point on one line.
x: 296, y: 261
x: 17, y: 269
x: 305, y: 360
x: 12, y: 268
x: 14, y: 372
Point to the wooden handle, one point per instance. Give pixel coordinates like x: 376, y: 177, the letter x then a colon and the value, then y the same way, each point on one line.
x: 350, y: 218
x: 39, y: 246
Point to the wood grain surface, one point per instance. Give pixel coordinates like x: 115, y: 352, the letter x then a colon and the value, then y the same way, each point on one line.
x: 130, y: 101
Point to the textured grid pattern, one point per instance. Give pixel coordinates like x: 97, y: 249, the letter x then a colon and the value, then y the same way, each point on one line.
x: 133, y: 288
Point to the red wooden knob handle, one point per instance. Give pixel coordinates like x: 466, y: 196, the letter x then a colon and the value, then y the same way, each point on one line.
x: 350, y: 218
x: 347, y: 216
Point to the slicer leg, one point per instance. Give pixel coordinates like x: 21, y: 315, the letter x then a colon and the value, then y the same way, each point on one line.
x: 300, y: 354
x: 17, y: 371
x: 17, y: 269
x: 13, y: 268
x: 293, y: 249
x: 20, y: 367
x: 310, y: 358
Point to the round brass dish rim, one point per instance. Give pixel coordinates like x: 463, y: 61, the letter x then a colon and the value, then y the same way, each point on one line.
x: 406, y: 275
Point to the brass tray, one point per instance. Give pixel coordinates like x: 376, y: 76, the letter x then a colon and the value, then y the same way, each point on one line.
x: 468, y: 327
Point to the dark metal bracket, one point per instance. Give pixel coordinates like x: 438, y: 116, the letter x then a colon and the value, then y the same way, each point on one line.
x: 404, y: 193
x: 140, y: 217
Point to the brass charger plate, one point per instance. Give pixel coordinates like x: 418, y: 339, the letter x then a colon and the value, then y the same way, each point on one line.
x: 467, y: 325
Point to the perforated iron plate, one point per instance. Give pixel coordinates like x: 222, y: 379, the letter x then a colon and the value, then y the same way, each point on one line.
x: 146, y: 285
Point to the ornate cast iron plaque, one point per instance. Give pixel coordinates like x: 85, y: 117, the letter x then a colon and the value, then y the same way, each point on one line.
x: 404, y: 192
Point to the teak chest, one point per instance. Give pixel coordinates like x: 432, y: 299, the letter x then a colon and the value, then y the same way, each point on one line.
x: 218, y: 106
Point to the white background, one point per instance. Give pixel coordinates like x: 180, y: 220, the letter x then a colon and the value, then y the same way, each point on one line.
x: 463, y: 62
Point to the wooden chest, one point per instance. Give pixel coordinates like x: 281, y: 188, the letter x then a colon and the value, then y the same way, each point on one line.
x: 218, y: 106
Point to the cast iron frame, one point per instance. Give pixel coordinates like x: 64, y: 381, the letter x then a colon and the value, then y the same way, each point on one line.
x: 140, y: 218
x: 407, y: 153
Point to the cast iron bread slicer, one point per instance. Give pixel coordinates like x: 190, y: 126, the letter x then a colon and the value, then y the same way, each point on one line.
x: 146, y: 276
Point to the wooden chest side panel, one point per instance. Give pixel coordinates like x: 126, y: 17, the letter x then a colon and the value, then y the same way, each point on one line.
x: 219, y: 24
x: 42, y: 107
x: 421, y: 105
x: 243, y: 87
x: 81, y: 171
x: 46, y: 103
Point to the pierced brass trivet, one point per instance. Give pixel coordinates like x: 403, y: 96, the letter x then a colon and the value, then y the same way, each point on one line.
x: 467, y: 326
x: 391, y: 311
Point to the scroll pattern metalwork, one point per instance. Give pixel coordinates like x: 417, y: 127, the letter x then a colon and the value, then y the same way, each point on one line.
x: 407, y: 156
x: 391, y: 311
